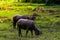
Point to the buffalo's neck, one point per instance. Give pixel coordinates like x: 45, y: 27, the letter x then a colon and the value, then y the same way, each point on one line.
x: 35, y: 29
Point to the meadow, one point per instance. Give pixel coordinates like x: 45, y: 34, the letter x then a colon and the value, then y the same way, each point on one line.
x: 48, y: 22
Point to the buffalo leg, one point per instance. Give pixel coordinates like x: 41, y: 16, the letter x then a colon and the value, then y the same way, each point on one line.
x: 14, y: 25
x: 31, y: 32
x: 19, y: 32
x: 26, y: 33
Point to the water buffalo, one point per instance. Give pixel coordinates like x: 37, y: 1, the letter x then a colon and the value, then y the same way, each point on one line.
x: 17, y: 17
x: 27, y: 25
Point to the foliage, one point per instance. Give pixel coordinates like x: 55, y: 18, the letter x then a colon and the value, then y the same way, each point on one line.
x: 35, y: 1
x: 44, y: 21
x: 53, y: 2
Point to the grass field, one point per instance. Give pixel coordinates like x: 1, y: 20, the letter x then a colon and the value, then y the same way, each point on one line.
x: 44, y: 21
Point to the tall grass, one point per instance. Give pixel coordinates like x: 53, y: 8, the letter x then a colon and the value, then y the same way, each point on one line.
x: 43, y: 20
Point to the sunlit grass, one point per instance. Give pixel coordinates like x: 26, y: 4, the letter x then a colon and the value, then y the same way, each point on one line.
x: 44, y: 19
x: 7, y: 33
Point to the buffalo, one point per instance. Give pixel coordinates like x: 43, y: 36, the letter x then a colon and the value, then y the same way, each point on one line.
x: 17, y: 17
x: 27, y: 25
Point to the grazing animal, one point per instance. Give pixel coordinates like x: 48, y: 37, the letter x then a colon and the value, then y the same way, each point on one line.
x: 17, y: 17
x: 27, y: 25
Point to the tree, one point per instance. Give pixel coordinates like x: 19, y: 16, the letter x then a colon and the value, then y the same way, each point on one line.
x: 53, y: 2
x: 38, y: 1
x: 18, y: 0
x: 34, y: 1
x: 27, y: 0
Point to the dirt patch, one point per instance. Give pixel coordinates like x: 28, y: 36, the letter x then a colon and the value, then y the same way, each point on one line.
x: 39, y: 9
x: 6, y: 8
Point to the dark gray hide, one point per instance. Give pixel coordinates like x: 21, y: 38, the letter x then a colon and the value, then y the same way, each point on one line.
x: 17, y: 17
x: 27, y: 25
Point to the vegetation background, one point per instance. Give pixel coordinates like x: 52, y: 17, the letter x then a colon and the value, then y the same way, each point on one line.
x: 48, y: 20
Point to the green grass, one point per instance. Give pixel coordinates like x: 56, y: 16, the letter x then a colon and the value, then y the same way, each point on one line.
x: 43, y: 20
x: 7, y: 33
